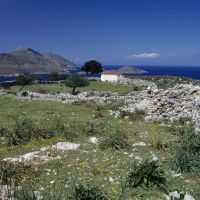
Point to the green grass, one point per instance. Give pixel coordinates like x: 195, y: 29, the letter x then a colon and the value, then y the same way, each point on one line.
x: 90, y: 164
x: 93, y: 86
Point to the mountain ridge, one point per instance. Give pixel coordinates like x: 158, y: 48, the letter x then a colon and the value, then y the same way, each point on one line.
x: 27, y: 60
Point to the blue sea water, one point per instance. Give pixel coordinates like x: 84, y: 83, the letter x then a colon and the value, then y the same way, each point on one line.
x: 186, y: 71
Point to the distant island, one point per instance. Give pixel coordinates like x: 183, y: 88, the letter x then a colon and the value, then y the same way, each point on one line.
x: 27, y: 60
x: 131, y: 70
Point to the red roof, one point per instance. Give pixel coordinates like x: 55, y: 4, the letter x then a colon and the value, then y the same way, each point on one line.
x: 111, y: 72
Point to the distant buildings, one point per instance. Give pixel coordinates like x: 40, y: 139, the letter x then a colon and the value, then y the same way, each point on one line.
x: 112, y: 76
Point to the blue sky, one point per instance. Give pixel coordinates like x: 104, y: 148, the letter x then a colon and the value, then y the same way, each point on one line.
x: 133, y: 32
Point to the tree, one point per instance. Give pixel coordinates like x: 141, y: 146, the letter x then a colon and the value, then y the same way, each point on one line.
x: 57, y: 77
x: 76, y: 80
x: 92, y: 66
x: 22, y: 80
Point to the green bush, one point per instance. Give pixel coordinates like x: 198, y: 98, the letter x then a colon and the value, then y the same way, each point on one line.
x: 24, y: 94
x: 146, y: 174
x: 93, y: 127
x: 185, y: 161
x: 137, y: 115
x: 73, y: 130
x: 87, y: 192
x: 45, y: 133
x: 25, y: 130
x: 187, y: 156
x: 22, y: 133
x: 115, y: 140
x: 12, y: 174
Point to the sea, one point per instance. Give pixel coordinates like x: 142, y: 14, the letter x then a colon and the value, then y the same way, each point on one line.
x: 186, y: 71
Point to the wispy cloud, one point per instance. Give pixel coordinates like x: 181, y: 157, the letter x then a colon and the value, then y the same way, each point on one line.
x: 144, y: 55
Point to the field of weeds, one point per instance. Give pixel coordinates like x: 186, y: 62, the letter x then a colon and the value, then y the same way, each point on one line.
x: 118, y: 158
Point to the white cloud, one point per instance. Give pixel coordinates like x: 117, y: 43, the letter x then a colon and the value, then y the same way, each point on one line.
x: 145, y: 55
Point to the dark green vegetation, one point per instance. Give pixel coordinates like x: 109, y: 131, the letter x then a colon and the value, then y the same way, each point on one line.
x: 76, y: 80
x: 57, y: 77
x: 93, y: 67
x: 22, y: 80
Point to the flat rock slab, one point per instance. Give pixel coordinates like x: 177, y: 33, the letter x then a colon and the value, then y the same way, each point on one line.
x: 65, y: 146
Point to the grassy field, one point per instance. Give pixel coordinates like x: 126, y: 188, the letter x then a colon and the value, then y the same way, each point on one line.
x: 105, y: 168
x: 93, y: 86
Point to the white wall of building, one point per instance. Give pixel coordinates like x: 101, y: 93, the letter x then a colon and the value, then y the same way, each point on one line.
x: 108, y: 77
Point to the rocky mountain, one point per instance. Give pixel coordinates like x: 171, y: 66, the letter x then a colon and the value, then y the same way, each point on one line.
x: 131, y: 70
x: 27, y: 60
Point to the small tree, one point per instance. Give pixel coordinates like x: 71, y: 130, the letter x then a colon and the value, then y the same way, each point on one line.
x: 92, y: 66
x: 76, y: 80
x: 22, y: 80
x: 57, y: 77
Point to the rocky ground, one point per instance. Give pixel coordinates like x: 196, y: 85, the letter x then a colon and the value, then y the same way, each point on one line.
x: 183, y: 100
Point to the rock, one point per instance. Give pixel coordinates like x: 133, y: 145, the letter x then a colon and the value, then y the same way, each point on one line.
x: 154, y: 157
x: 93, y: 140
x: 175, y: 175
x: 65, y: 146
x: 174, y: 195
x: 138, y: 158
x: 23, y: 158
x: 188, y: 197
x: 167, y: 197
x: 44, y: 148
x: 140, y: 144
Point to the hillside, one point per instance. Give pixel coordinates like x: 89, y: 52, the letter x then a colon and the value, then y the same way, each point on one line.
x: 131, y: 70
x: 26, y: 60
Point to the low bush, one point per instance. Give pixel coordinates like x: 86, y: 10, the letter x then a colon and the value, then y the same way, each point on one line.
x: 187, y: 156
x: 93, y: 127
x: 98, y: 114
x: 73, y: 130
x: 87, y: 192
x: 22, y: 133
x: 146, y: 174
x: 115, y: 140
x: 25, y: 130
x: 185, y: 161
x: 24, y: 94
x: 137, y: 115
x: 12, y: 174
x: 45, y: 133
x: 181, y: 127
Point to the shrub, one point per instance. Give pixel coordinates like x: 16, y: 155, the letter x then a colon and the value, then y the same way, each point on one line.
x: 93, y: 127
x: 76, y: 80
x: 185, y: 161
x: 87, y: 192
x: 181, y: 128
x: 98, y: 114
x: 160, y: 145
x: 73, y: 130
x: 146, y: 174
x: 12, y: 174
x: 187, y: 156
x: 23, y: 132
x: 115, y: 140
x: 45, y: 133
x: 137, y: 115
x: 24, y: 94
